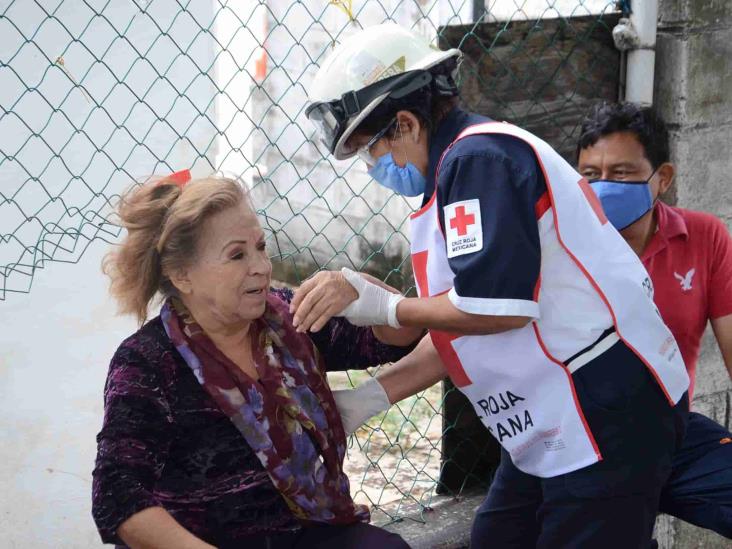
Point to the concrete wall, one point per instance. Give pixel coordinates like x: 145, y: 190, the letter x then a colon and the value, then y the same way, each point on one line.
x: 694, y: 94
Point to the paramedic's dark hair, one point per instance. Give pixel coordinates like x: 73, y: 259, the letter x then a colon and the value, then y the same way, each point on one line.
x: 425, y: 103
x: 648, y: 127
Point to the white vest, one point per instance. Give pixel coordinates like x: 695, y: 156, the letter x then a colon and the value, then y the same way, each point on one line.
x: 523, y: 394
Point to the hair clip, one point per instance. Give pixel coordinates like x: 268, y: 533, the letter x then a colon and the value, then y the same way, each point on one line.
x: 177, y: 178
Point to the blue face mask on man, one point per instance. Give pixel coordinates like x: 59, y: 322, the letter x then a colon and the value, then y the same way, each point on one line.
x: 407, y: 180
x: 624, y: 202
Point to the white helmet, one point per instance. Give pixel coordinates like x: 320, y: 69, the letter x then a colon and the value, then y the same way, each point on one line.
x: 379, y: 62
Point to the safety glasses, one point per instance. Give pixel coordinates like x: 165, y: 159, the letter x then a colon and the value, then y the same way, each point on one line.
x: 364, y: 153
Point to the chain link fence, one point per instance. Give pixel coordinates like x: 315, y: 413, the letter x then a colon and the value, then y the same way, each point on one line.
x: 96, y: 95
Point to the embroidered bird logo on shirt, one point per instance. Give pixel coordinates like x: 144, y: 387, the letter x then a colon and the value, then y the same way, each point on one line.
x: 685, y: 281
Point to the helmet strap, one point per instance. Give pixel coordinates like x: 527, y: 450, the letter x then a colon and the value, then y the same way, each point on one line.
x: 419, y: 81
x: 400, y: 134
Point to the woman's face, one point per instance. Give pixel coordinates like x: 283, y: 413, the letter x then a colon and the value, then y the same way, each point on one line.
x: 230, y: 278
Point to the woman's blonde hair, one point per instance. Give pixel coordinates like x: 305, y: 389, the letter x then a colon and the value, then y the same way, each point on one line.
x: 164, y: 222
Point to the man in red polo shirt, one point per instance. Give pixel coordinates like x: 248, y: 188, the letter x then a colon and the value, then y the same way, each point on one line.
x: 624, y: 152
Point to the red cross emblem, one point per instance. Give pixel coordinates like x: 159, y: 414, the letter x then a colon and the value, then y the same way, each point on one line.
x: 461, y: 221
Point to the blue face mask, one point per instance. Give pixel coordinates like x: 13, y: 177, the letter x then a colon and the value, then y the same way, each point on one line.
x: 624, y: 202
x: 407, y: 181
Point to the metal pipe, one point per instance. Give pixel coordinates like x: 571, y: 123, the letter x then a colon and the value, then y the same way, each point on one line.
x: 641, y: 59
x: 478, y: 9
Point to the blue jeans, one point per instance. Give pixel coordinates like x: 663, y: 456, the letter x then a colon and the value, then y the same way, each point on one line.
x: 612, y: 503
x: 699, y: 490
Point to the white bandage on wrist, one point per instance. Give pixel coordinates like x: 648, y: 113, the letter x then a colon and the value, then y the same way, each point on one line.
x: 357, y: 405
x: 375, y: 305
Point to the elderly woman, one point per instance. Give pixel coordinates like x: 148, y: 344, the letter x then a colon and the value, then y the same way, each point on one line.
x: 220, y: 428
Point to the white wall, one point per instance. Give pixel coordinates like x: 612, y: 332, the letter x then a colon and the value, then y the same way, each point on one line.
x: 56, y: 341
x: 55, y: 346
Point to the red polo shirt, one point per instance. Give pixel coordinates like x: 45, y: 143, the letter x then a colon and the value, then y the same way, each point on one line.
x: 689, y: 259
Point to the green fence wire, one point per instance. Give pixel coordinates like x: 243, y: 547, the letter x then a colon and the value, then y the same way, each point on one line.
x: 97, y: 95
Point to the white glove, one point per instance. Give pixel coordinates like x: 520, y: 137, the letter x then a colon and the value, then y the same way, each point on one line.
x: 375, y: 305
x: 359, y: 404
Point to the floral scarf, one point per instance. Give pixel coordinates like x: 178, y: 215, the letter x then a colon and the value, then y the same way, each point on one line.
x: 288, y: 417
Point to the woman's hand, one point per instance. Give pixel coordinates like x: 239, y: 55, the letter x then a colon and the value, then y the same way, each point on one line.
x: 321, y: 297
x: 155, y: 528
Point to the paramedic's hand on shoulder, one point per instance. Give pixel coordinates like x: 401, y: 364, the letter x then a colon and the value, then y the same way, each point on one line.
x: 318, y: 299
x: 376, y: 303
x: 362, y: 299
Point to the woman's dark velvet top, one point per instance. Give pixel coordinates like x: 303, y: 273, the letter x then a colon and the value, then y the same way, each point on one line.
x: 164, y: 442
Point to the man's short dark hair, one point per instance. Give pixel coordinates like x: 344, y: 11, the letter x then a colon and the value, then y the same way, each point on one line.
x: 648, y: 127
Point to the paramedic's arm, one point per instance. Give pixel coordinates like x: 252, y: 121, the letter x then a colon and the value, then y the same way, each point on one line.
x: 493, y: 287
x: 417, y: 371
x: 440, y: 314
x: 327, y: 293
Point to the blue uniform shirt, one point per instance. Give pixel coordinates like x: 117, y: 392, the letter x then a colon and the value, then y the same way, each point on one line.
x: 503, y: 174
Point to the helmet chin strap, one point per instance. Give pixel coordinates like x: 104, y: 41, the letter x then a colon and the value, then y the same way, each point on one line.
x: 401, y: 138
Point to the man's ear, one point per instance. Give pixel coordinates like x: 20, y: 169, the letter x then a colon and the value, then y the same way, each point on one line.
x: 409, y: 125
x: 179, y: 278
x: 665, y: 174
